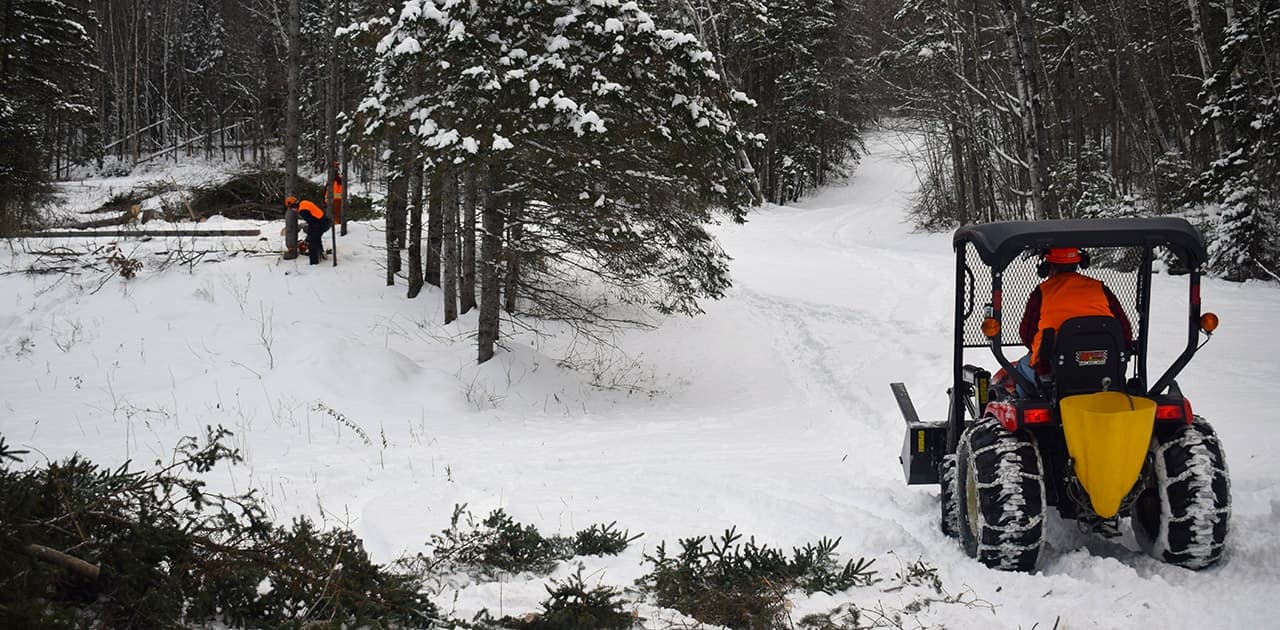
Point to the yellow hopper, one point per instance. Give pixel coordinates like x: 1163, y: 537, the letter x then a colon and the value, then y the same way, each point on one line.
x: 1107, y: 435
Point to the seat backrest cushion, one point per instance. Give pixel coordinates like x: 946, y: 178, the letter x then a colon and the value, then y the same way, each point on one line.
x: 1089, y: 355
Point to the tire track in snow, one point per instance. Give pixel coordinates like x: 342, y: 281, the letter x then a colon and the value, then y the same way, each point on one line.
x: 837, y: 353
x: 838, y: 350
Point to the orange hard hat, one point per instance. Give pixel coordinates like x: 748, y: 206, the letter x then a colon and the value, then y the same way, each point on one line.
x: 1064, y: 256
x: 289, y: 202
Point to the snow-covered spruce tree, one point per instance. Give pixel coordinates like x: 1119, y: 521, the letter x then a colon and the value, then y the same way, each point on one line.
x: 609, y: 139
x: 48, y: 70
x: 1243, y: 243
x: 1083, y: 186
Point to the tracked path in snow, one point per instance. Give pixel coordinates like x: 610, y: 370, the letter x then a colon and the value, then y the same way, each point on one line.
x: 856, y: 300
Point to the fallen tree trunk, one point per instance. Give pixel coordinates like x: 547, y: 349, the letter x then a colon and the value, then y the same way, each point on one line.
x: 69, y: 562
x: 137, y: 233
x: 123, y: 218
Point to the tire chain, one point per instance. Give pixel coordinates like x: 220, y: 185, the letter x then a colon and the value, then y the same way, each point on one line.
x: 1011, y: 497
x: 1190, y: 478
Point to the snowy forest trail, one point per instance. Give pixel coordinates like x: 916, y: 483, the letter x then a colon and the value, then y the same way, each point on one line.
x: 771, y: 413
x: 858, y: 300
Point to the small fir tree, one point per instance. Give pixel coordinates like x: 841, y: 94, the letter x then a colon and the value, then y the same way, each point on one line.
x: 1243, y: 243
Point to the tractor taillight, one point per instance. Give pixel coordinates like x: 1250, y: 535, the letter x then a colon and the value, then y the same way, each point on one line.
x: 1036, y: 416
x: 1173, y: 411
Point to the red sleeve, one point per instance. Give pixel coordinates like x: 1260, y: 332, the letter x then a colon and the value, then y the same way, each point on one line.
x: 1030, y: 319
x: 1118, y: 311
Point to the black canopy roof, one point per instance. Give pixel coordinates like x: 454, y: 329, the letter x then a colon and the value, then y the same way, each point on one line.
x: 999, y: 243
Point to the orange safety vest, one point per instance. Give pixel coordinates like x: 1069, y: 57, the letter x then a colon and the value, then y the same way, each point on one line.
x: 337, y: 191
x: 1064, y: 296
x: 311, y: 208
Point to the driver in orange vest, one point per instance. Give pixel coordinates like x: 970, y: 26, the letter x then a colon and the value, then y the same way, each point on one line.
x: 1063, y: 294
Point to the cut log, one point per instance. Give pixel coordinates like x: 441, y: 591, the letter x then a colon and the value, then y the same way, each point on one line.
x: 69, y: 562
x: 138, y: 233
x: 123, y: 218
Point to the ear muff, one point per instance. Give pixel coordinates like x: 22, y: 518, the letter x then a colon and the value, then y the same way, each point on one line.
x: 1084, y: 259
x: 1042, y: 269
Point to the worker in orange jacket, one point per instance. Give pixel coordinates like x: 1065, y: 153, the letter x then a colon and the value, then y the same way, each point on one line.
x: 334, y: 195
x: 1063, y: 294
x: 317, y: 225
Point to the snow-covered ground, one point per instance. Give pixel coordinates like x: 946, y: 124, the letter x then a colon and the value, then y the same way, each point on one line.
x: 771, y: 412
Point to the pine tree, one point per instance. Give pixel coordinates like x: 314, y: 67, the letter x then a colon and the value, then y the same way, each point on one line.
x: 615, y: 137
x: 1245, y: 97
x: 48, y: 69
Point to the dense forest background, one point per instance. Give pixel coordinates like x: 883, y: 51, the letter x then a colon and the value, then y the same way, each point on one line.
x: 536, y: 138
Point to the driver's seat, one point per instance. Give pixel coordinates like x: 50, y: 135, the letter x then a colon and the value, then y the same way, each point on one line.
x: 1087, y: 355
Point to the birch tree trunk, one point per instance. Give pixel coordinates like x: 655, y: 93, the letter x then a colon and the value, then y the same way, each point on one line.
x: 958, y: 174
x: 975, y: 122
x: 1022, y: 46
x: 709, y: 35
x: 1206, y: 72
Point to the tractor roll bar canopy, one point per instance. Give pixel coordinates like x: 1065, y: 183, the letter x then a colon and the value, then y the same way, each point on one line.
x: 998, y: 244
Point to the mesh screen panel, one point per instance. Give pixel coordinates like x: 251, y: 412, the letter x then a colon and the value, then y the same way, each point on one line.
x: 1117, y: 267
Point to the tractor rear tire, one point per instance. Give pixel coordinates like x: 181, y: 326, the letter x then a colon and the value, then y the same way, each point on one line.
x: 1001, y: 500
x: 1182, y: 515
x: 947, y: 497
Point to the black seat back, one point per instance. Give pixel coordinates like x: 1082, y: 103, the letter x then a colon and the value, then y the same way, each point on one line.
x: 1088, y: 355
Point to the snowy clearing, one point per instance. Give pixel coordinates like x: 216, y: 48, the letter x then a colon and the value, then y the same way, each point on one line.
x: 771, y: 413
